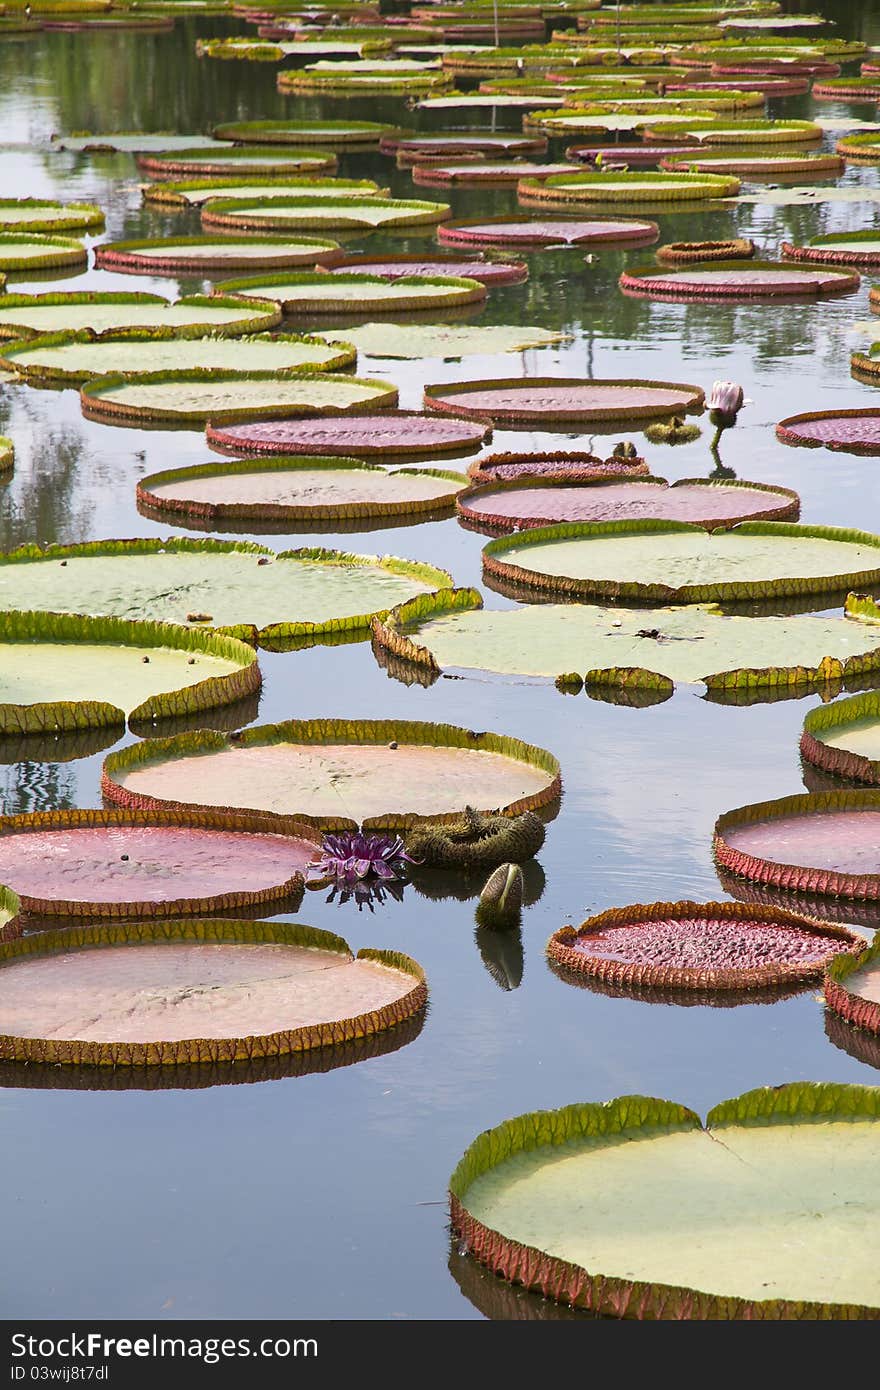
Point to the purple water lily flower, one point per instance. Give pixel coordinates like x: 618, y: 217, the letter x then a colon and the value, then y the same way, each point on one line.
x: 351, y: 856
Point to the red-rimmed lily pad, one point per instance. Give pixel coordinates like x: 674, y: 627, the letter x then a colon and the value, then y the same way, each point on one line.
x: 852, y: 991
x: 489, y: 273
x: 60, y: 672
x: 847, y: 431
x: 303, y: 489
x: 552, y: 401
x: 818, y: 843
x: 259, y: 160
x: 233, y: 586
x: 626, y: 187
x: 848, y: 88
x: 461, y: 142
x: 500, y: 172
x: 637, y: 652
x: 634, y: 1209
x: 329, y: 133
x: 546, y: 231
x: 756, y: 166
x: 338, y: 773
x: 389, y: 433
x: 553, y: 467
x: 859, y: 149
x: 675, y: 562
x: 636, y: 156
x: 193, y: 991
x: 844, y: 737
x: 519, y: 506
x: 699, y: 946
x: 688, y: 252
x: 201, y: 255
x: 150, y: 863
x: 842, y: 248
x: 735, y: 280
x: 22, y: 315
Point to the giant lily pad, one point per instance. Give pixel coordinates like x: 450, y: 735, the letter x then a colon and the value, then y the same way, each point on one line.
x: 290, y: 213
x: 297, y: 490
x: 150, y: 864
x: 633, y: 1209
x: 193, y: 397
x: 20, y: 252
x: 484, y: 171
x: 844, y: 737
x: 519, y: 506
x: 552, y: 401
x: 848, y: 89
x: 341, y: 294
x: 818, y: 843
x: 338, y: 773
x: 555, y: 467
x: 706, y: 131
x: 190, y: 991
x: 387, y: 434
x: 625, y: 188
x: 698, y: 946
x: 459, y: 142
x: 60, y: 672
x: 674, y: 562
x: 196, y: 192
x: 738, y: 280
x: 44, y: 215
x: 628, y: 649
x: 860, y: 149
x: 9, y: 909
x: 546, y: 231
x: 852, y: 991
x: 844, y: 248
x: 446, y: 340
x: 201, y: 255
x: 755, y: 165
x: 328, y: 133
x: 506, y: 272
x: 78, y: 357
x: 237, y: 587
x: 847, y: 431
x: 634, y: 156
x: 23, y: 315
x: 7, y: 455
x: 256, y: 160
x: 131, y: 142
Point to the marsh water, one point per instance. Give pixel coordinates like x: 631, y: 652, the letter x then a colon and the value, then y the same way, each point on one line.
x: 319, y: 1190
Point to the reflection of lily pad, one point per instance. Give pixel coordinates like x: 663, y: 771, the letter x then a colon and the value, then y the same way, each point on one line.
x: 738, y: 280
x: 338, y: 773
x: 203, y: 254
x: 304, y: 489
x: 59, y: 672
x: 674, y: 562
x: 222, y: 160
x: 343, y: 294
x: 150, y: 864
x: 819, y: 843
x: 863, y: 914
x: 291, y: 213
x: 24, y: 314
x: 552, y: 401
x: 20, y: 252
x: 230, y: 585
x: 193, y: 991
x: 519, y: 506
x: 844, y: 737
x: 631, y: 649
x: 386, y: 434
x: 329, y: 133
x: 78, y: 357
x: 772, y: 1220
x: 852, y: 990
x: 699, y: 946
x: 444, y: 339
x: 44, y: 215
x: 192, y: 397
x: 546, y: 231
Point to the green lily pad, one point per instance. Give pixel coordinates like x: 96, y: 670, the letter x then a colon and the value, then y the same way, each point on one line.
x: 650, y: 648
x: 706, y: 131
x: 150, y: 993
x: 338, y: 773
x: 844, y: 738
x: 9, y: 908
x: 205, y: 255
x: 625, y: 188
x: 673, y: 562
x: 414, y: 79
x: 19, y: 252
x: 293, y: 213
x: 328, y: 133
x: 852, y: 992
x: 195, y: 192
x: 231, y: 586
x: 297, y: 489
x: 258, y: 161
x: 227, y: 397
x: 447, y: 340
x: 633, y: 1208
x: 60, y: 672
x: 554, y: 401
x: 7, y: 455
x: 342, y: 294
x: 810, y: 195
x: 26, y: 315
x: 860, y: 148
x: 44, y: 215
x: 79, y: 357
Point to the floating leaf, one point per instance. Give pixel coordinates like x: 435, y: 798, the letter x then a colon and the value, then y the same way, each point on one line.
x: 7, y: 455
x: 446, y: 340
x: 459, y: 142
x: 192, y: 991
x: 203, y: 254
x: 150, y: 864
x: 752, y: 164
x: 132, y: 142
x: 292, y: 213
x: 19, y: 252
x: 846, y: 431
x: 546, y: 231
x: 547, y: 400
x: 340, y: 294
x: 44, y: 215
x: 736, y: 280
x: 721, y: 132
x: 687, y: 252
x: 338, y: 773
x: 505, y: 272
x: 844, y: 738
x: 22, y: 315
x: 237, y: 586
x: 852, y: 990
x: 845, y: 248
x: 329, y: 133
x: 483, y: 172
x: 196, y: 192
x: 388, y: 434
x: 223, y: 160
x: 557, y: 467
x: 625, y: 188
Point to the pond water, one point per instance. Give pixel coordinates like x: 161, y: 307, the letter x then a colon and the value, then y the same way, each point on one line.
x: 324, y: 1194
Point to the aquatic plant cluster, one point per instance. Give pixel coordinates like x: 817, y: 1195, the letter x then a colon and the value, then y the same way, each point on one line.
x: 149, y: 943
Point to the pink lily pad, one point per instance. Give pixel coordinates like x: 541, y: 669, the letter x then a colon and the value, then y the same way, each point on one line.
x: 545, y: 399
x: 395, y: 432
x: 721, y: 280
x: 547, y: 231
x: 636, y: 156
x: 848, y: 431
